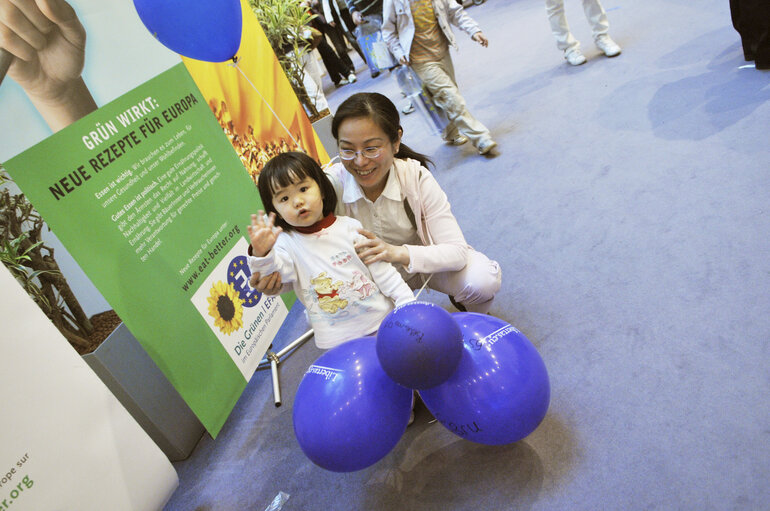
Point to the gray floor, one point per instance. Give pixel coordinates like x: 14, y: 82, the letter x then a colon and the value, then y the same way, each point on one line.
x: 629, y: 210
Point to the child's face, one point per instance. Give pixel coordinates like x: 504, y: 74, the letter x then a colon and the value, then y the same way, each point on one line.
x: 300, y: 204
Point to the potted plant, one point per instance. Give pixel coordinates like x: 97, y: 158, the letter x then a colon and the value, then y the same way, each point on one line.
x: 286, y: 24
x: 105, y: 343
x: 32, y: 262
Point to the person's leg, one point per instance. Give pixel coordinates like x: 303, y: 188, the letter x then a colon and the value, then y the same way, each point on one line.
x: 439, y: 79
x: 474, y: 286
x: 755, y: 31
x: 338, y: 40
x: 600, y: 27
x: 597, y: 18
x: 565, y: 41
x: 332, y: 63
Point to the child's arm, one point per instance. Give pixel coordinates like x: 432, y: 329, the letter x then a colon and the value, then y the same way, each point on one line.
x: 261, y: 233
x: 388, y: 280
x: 267, y: 258
x: 390, y: 283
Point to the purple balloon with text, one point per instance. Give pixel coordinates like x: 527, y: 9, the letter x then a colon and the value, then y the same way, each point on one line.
x: 500, y: 391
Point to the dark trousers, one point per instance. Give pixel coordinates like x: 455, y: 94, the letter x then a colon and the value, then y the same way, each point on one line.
x: 751, y: 18
x: 338, y: 40
x: 335, y: 66
x: 345, y: 25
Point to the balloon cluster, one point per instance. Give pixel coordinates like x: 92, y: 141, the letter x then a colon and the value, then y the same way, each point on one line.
x: 478, y: 375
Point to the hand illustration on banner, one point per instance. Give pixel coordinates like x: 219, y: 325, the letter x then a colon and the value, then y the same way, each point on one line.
x: 199, y: 29
x: 45, y: 56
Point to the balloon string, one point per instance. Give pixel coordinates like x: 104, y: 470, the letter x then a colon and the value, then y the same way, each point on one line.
x: 423, y: 285
x: 236, y: 66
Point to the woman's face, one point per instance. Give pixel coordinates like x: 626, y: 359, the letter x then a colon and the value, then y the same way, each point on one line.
x: 361, y: 134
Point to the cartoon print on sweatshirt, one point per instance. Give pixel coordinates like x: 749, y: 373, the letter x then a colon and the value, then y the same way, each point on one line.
x: 360, y: 287
x: 327, y: 293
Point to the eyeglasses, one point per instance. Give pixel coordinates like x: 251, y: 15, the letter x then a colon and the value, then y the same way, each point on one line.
x: 368, y: 152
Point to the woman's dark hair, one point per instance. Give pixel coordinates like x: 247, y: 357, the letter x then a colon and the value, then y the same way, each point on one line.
x: 383, y: 113
x: 288, y: 168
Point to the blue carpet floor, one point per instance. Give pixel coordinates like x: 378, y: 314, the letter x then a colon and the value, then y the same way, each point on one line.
x: 629, y: 210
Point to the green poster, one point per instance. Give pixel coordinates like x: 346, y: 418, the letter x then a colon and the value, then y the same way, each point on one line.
x: 150, y: 198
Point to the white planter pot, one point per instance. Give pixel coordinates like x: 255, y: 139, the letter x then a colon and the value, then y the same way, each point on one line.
x: 323, y: 128
x: 132, y: 376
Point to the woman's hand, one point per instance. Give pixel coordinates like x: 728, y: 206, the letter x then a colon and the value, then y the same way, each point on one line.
x: 373, y: 249
x: 262, y: 234
x: 270, y: 285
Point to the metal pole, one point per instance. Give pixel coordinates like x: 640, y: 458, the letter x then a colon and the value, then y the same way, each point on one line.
x: 272, y: 359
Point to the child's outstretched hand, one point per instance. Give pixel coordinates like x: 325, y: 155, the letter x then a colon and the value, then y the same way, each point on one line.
x: 262, y: 234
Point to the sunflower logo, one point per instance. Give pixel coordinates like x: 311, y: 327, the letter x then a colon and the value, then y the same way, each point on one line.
x: 225, y: 307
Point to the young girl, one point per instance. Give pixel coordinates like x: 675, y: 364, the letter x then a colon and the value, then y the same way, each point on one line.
x: 313, y: 249
x: 387, y: 187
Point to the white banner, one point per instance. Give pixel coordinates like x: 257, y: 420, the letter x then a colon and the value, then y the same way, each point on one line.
x: 67, y: 443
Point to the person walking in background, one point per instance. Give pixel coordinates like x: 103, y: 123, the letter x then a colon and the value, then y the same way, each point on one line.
x: 361, y: 8
x: 359, y: 11
x: 418, y: 34
x: 566, y: 42
x: 336, y: 61
x: 337, y: 15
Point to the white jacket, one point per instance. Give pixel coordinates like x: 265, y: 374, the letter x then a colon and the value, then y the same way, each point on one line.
x: 398, y: 25
x: 444, y: 247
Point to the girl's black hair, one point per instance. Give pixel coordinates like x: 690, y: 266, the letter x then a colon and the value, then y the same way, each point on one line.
x: 383, y: 113
x: 288, y: 168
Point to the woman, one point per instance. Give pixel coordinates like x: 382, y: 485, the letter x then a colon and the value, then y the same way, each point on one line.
x: 406, y: 216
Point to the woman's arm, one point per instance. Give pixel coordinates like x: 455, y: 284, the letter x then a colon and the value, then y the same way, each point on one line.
x: 446, y: 248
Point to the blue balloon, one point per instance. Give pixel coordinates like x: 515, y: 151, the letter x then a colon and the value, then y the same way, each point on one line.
x: 347, y: 413
x: 500, y: 391
x: 207, y: 30
x: 419, y: 345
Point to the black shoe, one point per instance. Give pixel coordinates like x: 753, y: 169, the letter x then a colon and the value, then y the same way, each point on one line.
x: 458, y: 306
x: 375, y: 74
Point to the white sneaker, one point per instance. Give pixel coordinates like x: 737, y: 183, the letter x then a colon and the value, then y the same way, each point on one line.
x: 575, y: 57
x: 352, y: 78
x: 458, y: 140
x: 486, y: 146
x: 408, y: 108
x: 607, y: 45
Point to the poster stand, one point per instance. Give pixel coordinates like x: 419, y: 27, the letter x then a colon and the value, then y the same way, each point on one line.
x: 272, y: 359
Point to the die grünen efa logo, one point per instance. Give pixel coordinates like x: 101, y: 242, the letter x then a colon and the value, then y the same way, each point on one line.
x: 225, y: 307
x: 227, y: 300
